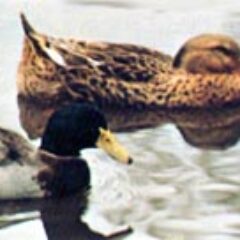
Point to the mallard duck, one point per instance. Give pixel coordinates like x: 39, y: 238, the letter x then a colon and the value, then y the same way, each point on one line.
x: 53, y: 70
x: 204, y: 74
x: 55, y: 169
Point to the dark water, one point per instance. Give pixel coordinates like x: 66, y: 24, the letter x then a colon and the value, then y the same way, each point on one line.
x: 185, y: 182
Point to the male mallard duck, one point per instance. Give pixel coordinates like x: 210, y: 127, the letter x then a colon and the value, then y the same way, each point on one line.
x: 55, y: 169
x: 129, y: 76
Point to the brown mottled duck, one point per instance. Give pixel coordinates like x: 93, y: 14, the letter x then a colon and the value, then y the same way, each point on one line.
x: 56, y: 69
x: 205, y: 72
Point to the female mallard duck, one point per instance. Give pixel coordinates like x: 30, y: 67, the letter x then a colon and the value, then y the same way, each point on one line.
x: 205, y: 73
x: 55, y: 69
x: 55, y: 169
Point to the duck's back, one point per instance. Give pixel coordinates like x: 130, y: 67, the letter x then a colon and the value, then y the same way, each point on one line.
x: 125, y: 62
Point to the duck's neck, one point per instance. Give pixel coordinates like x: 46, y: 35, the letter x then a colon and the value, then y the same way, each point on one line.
x: 51, y: 158
x: 61, y: 149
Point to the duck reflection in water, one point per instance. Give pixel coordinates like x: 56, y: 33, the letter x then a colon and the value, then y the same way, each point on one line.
x: 61, y: 217
x: 216, y: 128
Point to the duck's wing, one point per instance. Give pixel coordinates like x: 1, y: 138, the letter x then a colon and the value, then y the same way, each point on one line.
x: 123, y: 62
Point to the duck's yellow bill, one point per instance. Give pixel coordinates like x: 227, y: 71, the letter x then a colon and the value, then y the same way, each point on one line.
x: 109, y: 143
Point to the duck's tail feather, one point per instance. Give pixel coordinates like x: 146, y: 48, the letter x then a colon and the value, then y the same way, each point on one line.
x: 38, y: 40
x: 28, y: 29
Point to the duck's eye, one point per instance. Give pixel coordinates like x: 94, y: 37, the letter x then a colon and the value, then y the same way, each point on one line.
x: 224, y: 50
x: 47, y: 44
x: 107, y: 140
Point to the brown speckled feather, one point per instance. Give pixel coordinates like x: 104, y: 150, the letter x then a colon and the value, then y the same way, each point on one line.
x: 125, y: 62
x: 206, y: 72
x: 50, y: 66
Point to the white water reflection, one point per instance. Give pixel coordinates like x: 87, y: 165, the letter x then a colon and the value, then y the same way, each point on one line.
x: 28, y: 230
x: 179, y: 192
x: 174, y: 191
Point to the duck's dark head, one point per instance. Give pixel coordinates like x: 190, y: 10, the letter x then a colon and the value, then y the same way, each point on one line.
x: 209, y: 53
x: 79, y: 126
